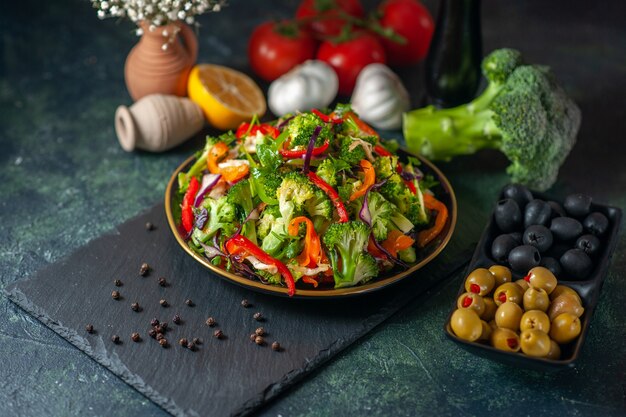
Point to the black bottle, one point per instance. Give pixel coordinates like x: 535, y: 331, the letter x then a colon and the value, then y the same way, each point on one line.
x: 455, y: 54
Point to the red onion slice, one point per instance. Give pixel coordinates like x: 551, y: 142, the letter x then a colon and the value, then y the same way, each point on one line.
x: 309, y: 149
x: 208, y: 182
x: 386, y: 252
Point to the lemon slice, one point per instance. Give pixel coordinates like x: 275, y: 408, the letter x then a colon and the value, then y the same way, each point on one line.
x: 226, y: 96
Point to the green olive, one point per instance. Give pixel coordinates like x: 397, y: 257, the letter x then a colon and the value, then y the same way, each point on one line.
x: 565, y: 328
x: 509, y: 291
x: 523, y: 284
x: 562, y: 289
x: 536, y: 299
x: 487, y: 330
x: 554, y: 352
x: 490, y: 309
x: 565, y: 303
x: 469, y: 300
x: 466, y: 324
x: 508, y: 316
x: 535, y: 320
x: 480, y: 281
x: 505, y: 339
x: 540, y: 277
x: 501, y: 273
x: 535, y: 343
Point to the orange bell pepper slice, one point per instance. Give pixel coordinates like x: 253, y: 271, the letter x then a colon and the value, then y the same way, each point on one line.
x: 397, y: 241
x: 312, y: 251
x: 368, y: 181
x: 363, y: 127
x: 234, y: 173
x: 216, y: 154
x: 426, y: 236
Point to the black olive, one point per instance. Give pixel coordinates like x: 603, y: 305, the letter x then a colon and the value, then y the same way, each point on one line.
x: 519, y: 193
x: 501, y: 247
x: 566, y: 229
x: 537, y: 212
x: 517, y: 236
x: 508, y: 216
x: 576, y: 264
x: 589, y: 244
x: 577, y: 205
x: 538, y: 236
x: 553, y: 265
x: 557, y: 209
x: 524, y: 258
x: 596, y: 223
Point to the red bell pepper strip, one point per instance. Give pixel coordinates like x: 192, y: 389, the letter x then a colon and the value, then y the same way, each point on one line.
x: 381, y: 151
x: 240, y: 245
x: 327, y: 118
x: 332, y: 194
x: 187, y: 211
x: 384, y: 152
x: 363, y: 127
x: 265, y: 129
x: 291, y: 154
x: 425, y: 236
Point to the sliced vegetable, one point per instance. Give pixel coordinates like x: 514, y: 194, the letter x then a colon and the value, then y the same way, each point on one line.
x: 332, y: 194
x: 426, y: 236
x: 292, y: 154
x: 216, y: 154
x: 368, y: 180
x: 245, y: 129
x: 187, y: 217
x: 208, y: 182
x: 312, y: 251
x: 240, y: 246
x: 397, y: 241
x: 309, y: 149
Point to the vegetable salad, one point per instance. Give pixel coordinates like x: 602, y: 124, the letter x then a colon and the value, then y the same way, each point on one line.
x: 314, y: 199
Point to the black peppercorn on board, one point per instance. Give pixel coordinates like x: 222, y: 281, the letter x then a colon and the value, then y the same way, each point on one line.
x: 227, y: 372
x: 587, y: 287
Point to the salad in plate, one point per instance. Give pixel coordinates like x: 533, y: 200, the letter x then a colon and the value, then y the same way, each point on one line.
x: 315, y: 200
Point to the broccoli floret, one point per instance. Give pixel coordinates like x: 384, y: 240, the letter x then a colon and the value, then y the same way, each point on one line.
x: 240, y: 195
x: 346, y: 249
x: 385, y: 166
x: 352, y: 149
x: 302, y: 127
x: 277, y: 238
x: 266, y: 182
x: 523, y: 112
x: 221, y: 215
x: 269, y: 216
x: 381, y: 212
x: 330, y: 168
x: 294, y: 190
x: 410, y: 210
x: 319, y: 205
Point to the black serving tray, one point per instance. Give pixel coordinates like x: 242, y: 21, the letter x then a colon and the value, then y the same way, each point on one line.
x: 589, y: 291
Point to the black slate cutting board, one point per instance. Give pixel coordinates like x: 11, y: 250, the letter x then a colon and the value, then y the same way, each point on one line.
x: 229, y: 376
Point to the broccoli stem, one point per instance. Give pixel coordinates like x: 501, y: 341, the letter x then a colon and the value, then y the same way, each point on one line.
x: 444, y: 133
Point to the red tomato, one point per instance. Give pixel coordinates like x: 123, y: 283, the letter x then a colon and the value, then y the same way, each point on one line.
x: 349, y: 57
x: 326, y: 12
x: 412, y: 20
x: 275, y: 48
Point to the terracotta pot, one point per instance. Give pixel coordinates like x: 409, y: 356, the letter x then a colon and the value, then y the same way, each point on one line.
x: 157, y: 122
x: 160, y: 62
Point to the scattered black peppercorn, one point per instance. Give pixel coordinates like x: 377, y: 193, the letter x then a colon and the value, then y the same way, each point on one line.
x: 189, y: 302
x: 117, y: 283
x: 154, y: 322
x: 152, y: 333
x: 159, y: 336
x: 259, y: 340
x: 149, y: 226
x: 197, y: 341
x: 176, y: 319
x: 218, y: 334
x: 245, y: 303
x: 115, y: 295
x: 211, y: 322
x: 252, y: 337
x: 276, y: 346
x: 135, y: 306
x: 135, y: 336
x: 162, y: 282
x: 258, y: 316
x: 163, y: 342
x: 144, y: 269
x: 191, y: 346
x: 163, y: 303
x: 163, y: 327
x: 115, y: 339
x: 89, y: 328
x: 183, y: 342
x: 260, y: 331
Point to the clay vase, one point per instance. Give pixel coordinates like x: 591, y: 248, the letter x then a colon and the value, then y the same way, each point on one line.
x: 160, y: 62
x: 157, y: 122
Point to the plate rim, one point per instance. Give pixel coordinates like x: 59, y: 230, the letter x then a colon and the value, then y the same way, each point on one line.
x: 309, y: 293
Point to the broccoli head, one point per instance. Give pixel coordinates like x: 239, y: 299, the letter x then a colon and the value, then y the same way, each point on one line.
x: 301, y: 128
x: 330, y: 168
x: 266, y: 182
x: 385, y: 166
x: 269, y: 216
x: 346, y: 244
x: 381, y: 212
x: 294, y: 190
x: 221, y: 216
x: 353, y: 149
x: 523, y: 112
x: 240, y: 196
